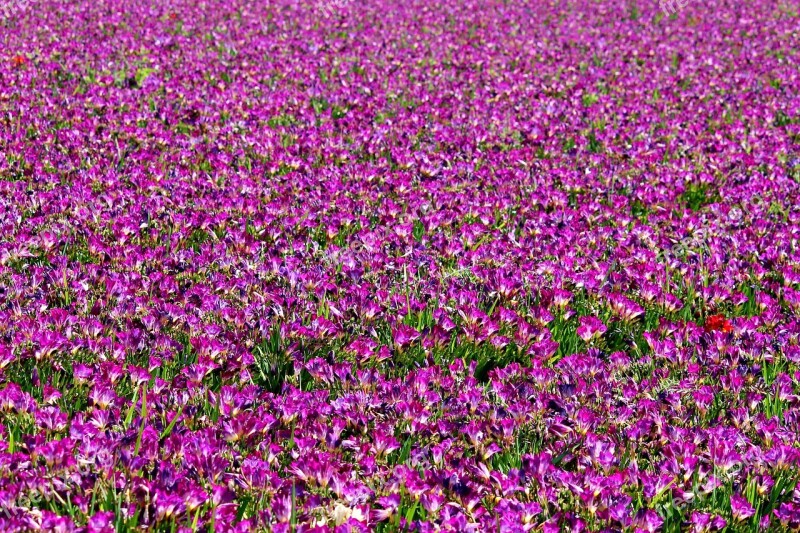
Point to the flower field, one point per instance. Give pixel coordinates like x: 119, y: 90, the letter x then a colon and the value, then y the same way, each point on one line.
x: 470, y: 265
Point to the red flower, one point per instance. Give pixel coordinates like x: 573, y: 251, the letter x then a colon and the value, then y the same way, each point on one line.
x: 18, y: 60
x: 718, y: 323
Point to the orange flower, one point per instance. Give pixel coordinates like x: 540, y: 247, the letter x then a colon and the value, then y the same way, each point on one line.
x: 18, y: 60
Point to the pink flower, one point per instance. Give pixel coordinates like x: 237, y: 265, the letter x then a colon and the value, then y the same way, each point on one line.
x: 741, y: 508
x: 590, y: 328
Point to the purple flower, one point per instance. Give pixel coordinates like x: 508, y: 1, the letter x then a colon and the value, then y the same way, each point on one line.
x: 590, y: 328
x: 741, y: 508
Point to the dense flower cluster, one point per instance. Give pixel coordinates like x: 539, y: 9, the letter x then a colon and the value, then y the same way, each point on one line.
x: 472, y: 265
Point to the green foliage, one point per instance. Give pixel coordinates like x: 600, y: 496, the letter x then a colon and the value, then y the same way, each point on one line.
x: 272, y: 364
x: 698, y: 195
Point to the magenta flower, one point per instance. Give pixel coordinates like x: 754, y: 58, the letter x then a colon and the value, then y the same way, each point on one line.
x: 404, y: 335
x: 741, y: 508
x: 590, y: 328
x: 311, y: 265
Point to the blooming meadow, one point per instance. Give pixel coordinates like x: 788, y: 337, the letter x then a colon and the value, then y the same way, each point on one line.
x: 399, y: 266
